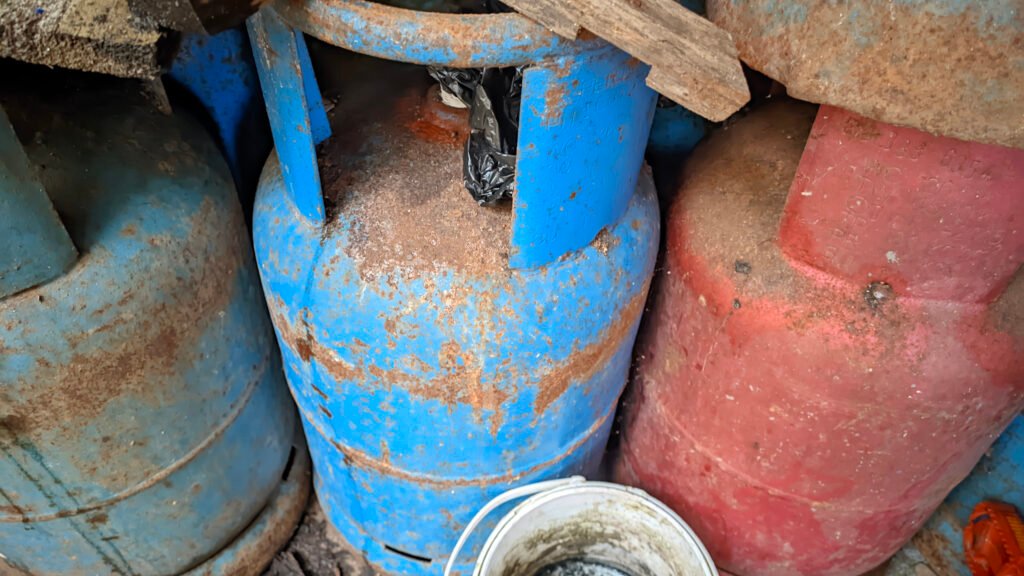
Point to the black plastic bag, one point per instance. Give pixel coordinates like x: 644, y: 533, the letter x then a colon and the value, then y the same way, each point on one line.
x: 457, y: 83
x: 489, y: 161
x: 493, y: 97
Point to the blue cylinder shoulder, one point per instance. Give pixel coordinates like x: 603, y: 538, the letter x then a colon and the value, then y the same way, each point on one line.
x: 143, y: 421
x: 430, y: 374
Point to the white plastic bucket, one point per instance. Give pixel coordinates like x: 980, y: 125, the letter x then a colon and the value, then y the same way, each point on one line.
x: 572, y: 519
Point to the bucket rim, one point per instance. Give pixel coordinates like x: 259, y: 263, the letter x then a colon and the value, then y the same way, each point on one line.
x: 534, y: 502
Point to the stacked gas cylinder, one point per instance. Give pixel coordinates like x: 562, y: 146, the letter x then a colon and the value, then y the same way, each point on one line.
x: 836, y: 339
x: 145, y: 427
x: 833, y: 341
x: 442, y: 352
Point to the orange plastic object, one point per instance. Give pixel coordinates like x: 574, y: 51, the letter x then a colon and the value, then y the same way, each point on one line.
x: 994, y: 540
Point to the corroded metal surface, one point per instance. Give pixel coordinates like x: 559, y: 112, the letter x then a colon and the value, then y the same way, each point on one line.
x: 143, y: 420
x: 836, y: 339
x: 34, y: 246
x: 596, y: 91
x: 252, y: 551
x: 431, y: 374
x: 294, y: 106
x: 462, y: 40
x: 441, y: 352
x: 948, y: 67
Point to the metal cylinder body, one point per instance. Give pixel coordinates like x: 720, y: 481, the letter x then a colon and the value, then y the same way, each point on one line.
x: 835, y: 340
x: 947, y: 67
x: 144, y: 422
x: 431, y: 375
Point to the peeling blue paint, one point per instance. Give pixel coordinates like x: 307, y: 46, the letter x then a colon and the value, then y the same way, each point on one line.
x: 219, y: 72
x: 34, y: 246
x: 404, y: 453
x: 143, y: 417
x: 461, y: 40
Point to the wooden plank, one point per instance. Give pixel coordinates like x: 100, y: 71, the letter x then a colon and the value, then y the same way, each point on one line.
x: 693, y: 62
x: 90, y: 35
x: 555, y: 16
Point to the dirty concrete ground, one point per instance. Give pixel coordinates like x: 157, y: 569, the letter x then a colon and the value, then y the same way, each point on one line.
x: 316, y: 549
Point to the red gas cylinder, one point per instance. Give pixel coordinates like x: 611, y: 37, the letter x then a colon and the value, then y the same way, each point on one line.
x: 836, y: 338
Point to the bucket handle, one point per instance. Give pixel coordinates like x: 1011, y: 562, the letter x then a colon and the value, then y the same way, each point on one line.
x: 499, y: 500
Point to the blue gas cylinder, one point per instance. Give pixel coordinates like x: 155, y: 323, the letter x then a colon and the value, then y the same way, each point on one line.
x: 144, y: 421
x: 442, y: 352
x: 675, y: 132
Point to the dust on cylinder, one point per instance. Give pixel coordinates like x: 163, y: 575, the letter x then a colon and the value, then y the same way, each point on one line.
x: 580, y: 567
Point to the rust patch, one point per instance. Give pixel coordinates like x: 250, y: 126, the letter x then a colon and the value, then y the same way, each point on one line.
x: 861, y: 128
x: 395, y: 178
x: 98, y: 519
x: 339, y: 369
x: 435, y: 122
x: 301, y: 341
x: 936, y: 549
x: 363, y: 460
x: 147, y: 340
x: 460, y: 379
x: 554, y: 104
x: 461, y: 35
x: 15, y: 510
x: 583, y: 364
x: 13, y: 425
x: 302, y: 348
x: 431, y: 132
x: 955, y: 74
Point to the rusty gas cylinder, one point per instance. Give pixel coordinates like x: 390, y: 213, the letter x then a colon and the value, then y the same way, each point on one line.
x: 145, y: 427
x: 442, y: 352
x: 947, y: 67
x: 835, y: 340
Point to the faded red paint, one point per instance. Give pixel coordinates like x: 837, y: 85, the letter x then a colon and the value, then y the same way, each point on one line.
x: 806, y: 396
